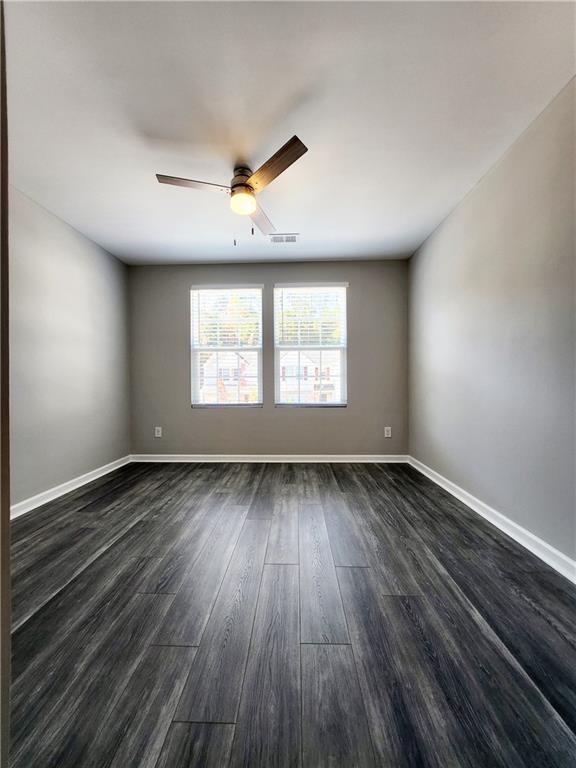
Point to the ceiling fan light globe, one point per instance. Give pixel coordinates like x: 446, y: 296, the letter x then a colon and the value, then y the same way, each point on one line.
x: 243, y: 202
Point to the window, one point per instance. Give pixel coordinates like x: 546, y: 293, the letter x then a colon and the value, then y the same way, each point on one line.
x: 310, y: 344
x: 226, y: 344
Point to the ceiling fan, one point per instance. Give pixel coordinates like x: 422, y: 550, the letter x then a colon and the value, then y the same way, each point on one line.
x: 245, y: 184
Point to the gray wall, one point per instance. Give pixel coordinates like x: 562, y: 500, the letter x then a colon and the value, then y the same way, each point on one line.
x: 69, y: 352
x: 377, y: 365
x: 492, y: 347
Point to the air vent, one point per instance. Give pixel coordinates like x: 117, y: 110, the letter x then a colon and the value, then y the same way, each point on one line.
x: 287, y: 237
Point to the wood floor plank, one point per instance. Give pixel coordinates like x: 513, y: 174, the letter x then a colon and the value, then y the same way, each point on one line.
x: 185, y: 497
x: 439, y: 687
x: 345, y: 477
x: 170, y: 571
x: 409, y: 720
x: 283, y: 540
x: 334, y: 727
x: 159, y: 530
x: 268, y: 728
x: 440, y: 517
x: 82, y: 686
x: 346, y: 542
x: 63, y: 657
x: 307, y: 483
x: 269, y: 489
x: 133, y: 733
x: 45, y: 576
x: 212, y: 692
x: 541, y: 638
x: 29, y: 528
x: 137, y: 492
x: 375, y: 489
x: 249, y: 482
x: 196, y: 745
x: 82, y: 604
x: 186, y: 620
x: 322, y: 615
x: 405, y: 565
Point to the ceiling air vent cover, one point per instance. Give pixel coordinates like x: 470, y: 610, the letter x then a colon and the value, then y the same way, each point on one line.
x: 287, y: 237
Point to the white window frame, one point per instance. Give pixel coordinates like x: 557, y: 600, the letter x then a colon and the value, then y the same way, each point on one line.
x: 283, y: 348
x: 194, y: 350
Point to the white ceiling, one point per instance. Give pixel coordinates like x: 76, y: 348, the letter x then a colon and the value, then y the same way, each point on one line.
x: 403, y: 106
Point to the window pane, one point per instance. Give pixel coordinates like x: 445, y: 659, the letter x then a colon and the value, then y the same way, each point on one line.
x: 288, y: 364
x: 208, y: 392
x: 249, y: 391
x: 289, y: 391
x: 311, y: 316
x: 227, y: 317
x: 225, y: 323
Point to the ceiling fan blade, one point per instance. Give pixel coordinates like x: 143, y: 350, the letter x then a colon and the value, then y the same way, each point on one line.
x: 204, y: 185
x: 278, y: 163
x: 262, y: 221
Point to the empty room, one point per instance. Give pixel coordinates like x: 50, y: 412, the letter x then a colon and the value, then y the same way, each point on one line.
x: 288, y: 384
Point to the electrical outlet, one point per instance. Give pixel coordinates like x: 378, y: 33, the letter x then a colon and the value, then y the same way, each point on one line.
x: 387, y: 431
x: 157, y: 431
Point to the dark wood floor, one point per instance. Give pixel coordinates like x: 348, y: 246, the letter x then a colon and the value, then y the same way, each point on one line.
x: 176, y: 615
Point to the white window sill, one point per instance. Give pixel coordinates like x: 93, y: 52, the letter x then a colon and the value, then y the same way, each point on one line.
x: 209, y: 406
x: 310, y: 405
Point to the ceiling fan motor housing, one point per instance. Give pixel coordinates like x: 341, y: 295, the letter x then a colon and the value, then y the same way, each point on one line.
x: 239, y: 181
x: 242, y: 199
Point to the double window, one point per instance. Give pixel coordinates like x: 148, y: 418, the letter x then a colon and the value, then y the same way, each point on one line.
x: 309, y: 342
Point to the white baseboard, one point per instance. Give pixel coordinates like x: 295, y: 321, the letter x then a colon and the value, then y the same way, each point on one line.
x: 271, y: 458
x: 59, y: 490
x: 546, y: 552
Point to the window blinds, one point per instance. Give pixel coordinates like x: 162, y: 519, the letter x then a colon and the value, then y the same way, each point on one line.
x: 226, y: 345
x: 310, y: 344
